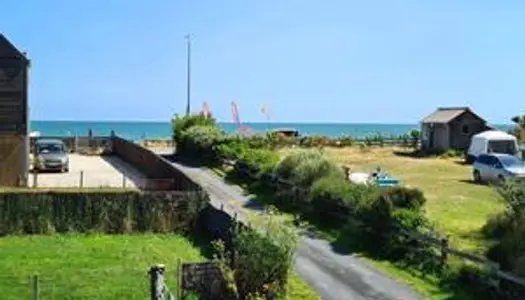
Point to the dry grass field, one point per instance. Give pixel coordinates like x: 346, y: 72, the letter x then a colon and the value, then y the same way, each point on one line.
x: 458, y: 207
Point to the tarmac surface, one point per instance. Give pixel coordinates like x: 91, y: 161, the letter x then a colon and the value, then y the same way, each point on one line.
x: 92, y: 172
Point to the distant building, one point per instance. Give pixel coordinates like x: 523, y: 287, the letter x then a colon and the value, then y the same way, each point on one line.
x: 14, y: 138
x: 450, y: 128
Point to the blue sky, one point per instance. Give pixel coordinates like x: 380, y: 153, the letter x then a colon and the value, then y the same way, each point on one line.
x: 332, y: 61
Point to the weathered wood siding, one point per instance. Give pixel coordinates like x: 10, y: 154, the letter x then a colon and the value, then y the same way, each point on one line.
x: 13, y: 116
x: 460, y: 140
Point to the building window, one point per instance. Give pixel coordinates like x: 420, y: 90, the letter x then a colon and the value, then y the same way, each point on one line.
x: 464, y: 129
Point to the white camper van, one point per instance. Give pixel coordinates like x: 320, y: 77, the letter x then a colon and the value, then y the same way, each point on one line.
x: 492, y: 141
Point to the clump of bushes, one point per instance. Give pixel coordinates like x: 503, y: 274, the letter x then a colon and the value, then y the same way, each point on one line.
x: 200, y: 142
x: 180, y: 124
x: 312, y: 186
x: 258, y: 264
x: 508, y: 229
x: 301, y: 169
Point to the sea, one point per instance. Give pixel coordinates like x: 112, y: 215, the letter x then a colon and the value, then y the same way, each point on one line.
x: 138, y: 131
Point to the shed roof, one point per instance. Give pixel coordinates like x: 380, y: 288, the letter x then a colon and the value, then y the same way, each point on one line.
x: 445, y: 115
x: 8, y: 50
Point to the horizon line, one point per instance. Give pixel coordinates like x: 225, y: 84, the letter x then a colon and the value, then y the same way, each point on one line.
x: 245, y: 122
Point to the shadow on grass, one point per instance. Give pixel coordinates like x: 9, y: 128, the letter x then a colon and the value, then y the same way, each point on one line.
x: 413, y: 154
x: 202, y: 241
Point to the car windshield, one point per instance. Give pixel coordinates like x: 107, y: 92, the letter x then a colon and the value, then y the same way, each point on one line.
x: 50, y: 148
x: 511, y: 161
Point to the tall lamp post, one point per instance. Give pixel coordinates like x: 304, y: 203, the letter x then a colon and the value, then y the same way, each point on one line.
x: 188, y: 91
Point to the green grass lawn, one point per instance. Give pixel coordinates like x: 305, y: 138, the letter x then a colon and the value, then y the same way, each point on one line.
x: 99, y: 266
x: 89, y: 266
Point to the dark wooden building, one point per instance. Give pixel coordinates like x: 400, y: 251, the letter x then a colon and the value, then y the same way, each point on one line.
x: 450, y: 128
x: 14, y: 137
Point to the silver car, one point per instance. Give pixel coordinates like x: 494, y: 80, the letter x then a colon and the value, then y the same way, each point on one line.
x: 496, y: 167
x: 50, y: 155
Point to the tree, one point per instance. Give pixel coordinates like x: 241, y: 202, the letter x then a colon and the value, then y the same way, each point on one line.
x: 519, y: 120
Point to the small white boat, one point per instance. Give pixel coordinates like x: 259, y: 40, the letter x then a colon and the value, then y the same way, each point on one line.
x: 34, y: 134
x: 359, y: 178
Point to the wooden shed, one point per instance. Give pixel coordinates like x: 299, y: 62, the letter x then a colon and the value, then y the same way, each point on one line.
x: 14, y: 138
x: 450, y: 128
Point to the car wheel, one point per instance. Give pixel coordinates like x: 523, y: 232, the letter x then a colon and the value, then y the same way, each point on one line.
x: 477, y: 176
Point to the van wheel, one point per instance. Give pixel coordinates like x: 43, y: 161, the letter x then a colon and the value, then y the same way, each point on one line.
x: 477, y: 176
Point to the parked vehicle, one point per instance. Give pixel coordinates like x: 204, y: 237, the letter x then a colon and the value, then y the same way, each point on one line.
x: 497, y: 167
x: 50, y: 155
x: 491, y: 141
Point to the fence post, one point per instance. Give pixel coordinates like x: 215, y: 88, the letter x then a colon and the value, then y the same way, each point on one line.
x: 179, y: 279
x: 156, y: 273
x: 494, y: 279
x: 123, y: 181
x: 81, y: 183
x: 444, y: 253
x: 36, y: 288
x: 35, y: 167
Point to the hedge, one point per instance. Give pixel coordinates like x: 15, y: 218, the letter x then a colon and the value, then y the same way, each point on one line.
x: 45, y: 212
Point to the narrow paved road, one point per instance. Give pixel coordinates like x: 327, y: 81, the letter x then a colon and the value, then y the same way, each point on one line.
x: 332, y: 275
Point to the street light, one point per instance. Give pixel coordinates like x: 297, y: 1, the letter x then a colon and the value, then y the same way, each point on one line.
x: 188, y: 92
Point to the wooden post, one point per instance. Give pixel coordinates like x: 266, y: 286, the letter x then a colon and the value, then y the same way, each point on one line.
x: 179, y: 279
x: 494, y: 279
x: 81, y: 183
x: 444, y: 253
x: 123, y: 181
x: 35, y: 167
x: 36, y: 287
x: 157, y: 282
x: 75, y: 144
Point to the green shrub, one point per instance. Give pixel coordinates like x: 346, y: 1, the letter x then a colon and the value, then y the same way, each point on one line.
x: 508, y: 229
x: 261, y: 259
x: 302, y: 169
x: 395, y: 212
x: 334, y: 200
x: 260, y: 159
x: 409, y: 198
x: 200, y: 142
x: 110, y: 212
x: 181, y: 124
